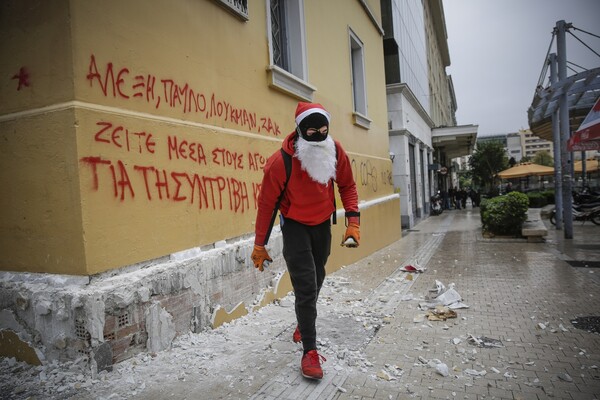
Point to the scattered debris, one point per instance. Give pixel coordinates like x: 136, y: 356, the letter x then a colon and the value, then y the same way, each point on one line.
x: 442, y: 369
x: 413, y: 268
x: 419, y: 318
x: 565, y: 377
x: 440, y: 313
x: 484, y: 342
x: 440, y: 295
x: 390, y: 372
x: 473, y: 372
x: 590, y: 324
x: 340, y: 389
x: 436, y: 364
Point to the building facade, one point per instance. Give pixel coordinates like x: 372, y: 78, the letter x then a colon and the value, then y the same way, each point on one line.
x: 531, y: 144
x: 132, y: 141
x: 424, y: 136
x: 514, y: 148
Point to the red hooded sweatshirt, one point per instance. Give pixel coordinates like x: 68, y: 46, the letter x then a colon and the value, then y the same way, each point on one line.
x: 305, y: 200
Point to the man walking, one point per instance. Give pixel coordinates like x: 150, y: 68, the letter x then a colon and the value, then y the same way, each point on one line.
x: 306, y: 207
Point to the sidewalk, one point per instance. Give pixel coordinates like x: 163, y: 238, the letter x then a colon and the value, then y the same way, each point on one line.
x: 522, y: 296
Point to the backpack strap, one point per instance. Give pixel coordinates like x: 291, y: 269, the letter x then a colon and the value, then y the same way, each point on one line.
x: 287, y: 162
x: 334, y: 215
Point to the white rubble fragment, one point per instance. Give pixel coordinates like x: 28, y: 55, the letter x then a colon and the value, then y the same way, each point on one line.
x: 160, y: 328
x: 382, y: 374
x: 143, y: 294
x: 495, y: 370
x: 473, y: 372
x: 565, y: 377
x: 442, y: 369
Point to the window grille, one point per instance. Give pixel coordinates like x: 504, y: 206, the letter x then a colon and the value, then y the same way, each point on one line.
x: 279, y: 34
x: 237, y: 7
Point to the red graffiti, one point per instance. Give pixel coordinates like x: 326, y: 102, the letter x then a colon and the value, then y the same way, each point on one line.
x: 121, y: 182
x: 93, y: 161
x: 120, y: 83
x: 256, y: 161
x: 207, y: 192
x: 269, y: 126
x: 226, y: 111
x: 183, y: 97
x: 109, y: 78
x: 23, y: 77
x: 120, y: 136
x: 227, y: 158
x: 145, y: 88
x: 185, y: 150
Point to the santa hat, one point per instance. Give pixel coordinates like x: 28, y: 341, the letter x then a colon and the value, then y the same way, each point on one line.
x: 305, y: 109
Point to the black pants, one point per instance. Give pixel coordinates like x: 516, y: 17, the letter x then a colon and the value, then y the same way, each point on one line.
x: 306, y: 249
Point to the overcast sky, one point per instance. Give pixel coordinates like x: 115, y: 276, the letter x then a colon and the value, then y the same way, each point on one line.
x: 497, y: 50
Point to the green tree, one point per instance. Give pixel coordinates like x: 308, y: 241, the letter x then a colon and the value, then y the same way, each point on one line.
x: 487, y: 160
x: 543, y: 158
x: 464, y: 179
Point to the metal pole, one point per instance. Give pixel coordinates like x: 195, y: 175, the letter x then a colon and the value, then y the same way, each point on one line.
x: 583, y: 169
x: 558, y: 203
x: 561, y: 52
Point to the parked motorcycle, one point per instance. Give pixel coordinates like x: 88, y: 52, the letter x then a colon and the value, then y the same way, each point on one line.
x: 436, y: 204
x: 581, y: 214
x: 586, y: 196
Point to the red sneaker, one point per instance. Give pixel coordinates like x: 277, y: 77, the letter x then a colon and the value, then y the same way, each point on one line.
x: 297, y: 337
x: 311, y: 365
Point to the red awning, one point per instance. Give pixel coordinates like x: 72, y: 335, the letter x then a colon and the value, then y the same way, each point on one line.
x: 587, y: 137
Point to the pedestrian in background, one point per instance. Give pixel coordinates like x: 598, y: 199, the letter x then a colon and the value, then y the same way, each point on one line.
x: 306, y: 208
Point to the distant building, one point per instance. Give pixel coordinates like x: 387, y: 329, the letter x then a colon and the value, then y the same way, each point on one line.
x: 519, y: 144
x: 513, y: 146
x: 532, y: 144
x: 501, y: 137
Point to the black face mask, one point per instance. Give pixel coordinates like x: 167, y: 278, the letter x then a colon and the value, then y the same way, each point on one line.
x: 315, y: 137
x: 315, y: 121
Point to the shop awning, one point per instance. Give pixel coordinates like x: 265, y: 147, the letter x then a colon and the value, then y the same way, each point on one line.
x: 526, y: 169
x: 455, y: 141
x: 591, y: 165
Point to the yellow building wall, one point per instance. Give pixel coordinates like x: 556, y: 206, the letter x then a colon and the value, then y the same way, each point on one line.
x: 140, y: 128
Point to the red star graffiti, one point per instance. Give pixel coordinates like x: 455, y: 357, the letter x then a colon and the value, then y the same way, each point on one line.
x: 23, y: 77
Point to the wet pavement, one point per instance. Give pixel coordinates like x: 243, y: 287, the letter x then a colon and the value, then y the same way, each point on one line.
x: 516, y: 339
x: 522, y: 294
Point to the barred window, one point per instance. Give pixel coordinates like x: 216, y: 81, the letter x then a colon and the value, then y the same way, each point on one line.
x: 287, y: 46
x: 238, y: 8
x: 279, y: 34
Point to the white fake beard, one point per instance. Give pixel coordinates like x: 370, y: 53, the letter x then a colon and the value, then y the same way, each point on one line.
x: 317, y: 158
